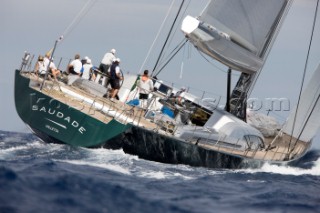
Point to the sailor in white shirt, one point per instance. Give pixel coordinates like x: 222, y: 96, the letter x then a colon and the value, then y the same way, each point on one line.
x: 105, y: 64
x: 74, y: 69
x: 87, y: 69
x: 53, y: 69
x: 40, y: 68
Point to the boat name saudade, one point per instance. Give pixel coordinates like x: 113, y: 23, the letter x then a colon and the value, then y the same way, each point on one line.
x: 60, y: 115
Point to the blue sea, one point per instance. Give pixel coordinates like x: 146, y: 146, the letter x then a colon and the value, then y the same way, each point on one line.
x: 40, y: 177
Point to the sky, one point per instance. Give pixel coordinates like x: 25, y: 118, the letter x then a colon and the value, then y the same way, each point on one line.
x: 131, y: 26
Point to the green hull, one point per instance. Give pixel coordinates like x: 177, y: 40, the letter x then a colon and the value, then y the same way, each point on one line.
x: 59, y: 121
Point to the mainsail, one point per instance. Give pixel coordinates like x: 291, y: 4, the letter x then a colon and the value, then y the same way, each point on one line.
x: 236, y: 32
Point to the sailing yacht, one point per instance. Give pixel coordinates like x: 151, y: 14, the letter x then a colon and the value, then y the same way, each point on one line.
x: 237, y: 33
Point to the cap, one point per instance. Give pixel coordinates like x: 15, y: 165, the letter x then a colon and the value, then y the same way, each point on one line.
x: 88, y: 61
x: 117, y: 59
x: 113, y: 51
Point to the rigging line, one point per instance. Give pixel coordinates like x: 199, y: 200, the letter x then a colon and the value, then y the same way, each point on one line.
x: 175, y: 30
x: 303, y: 77
x: 165, y: 43
x: 169, y: 56
x: 181, y: 45
x: 182, y: 63
x: 85, y: 9
x: 305, y: 123
x: 205, y: 7
x: 156, y: 38
x: 201, y: 53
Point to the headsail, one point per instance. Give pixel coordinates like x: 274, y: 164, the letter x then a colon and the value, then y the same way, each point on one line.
x: 236, y: 32
x: 303, y: 123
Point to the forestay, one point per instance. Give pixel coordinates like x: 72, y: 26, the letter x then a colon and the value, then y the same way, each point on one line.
x: 237, y: 32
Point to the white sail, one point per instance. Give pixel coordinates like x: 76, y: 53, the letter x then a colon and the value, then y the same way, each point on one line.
x: 303, y: 123
x: 237, y: 32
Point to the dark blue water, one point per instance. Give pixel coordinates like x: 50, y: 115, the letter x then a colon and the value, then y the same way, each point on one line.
x: 40, y: 177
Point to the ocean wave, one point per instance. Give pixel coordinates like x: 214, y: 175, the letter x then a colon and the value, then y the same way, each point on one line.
x: 76, y: 179
x: 21, y: 145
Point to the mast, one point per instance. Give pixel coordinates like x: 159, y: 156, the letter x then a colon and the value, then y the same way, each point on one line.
x: 228, y: 90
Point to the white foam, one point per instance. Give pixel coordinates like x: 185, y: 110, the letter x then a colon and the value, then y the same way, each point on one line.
x: 113, y: 160
x: 256, y: 181
x: 5, y: 153
x: 153, y: 175
x: 111, y: 167
x: 118, y: 161
x: 287, y: 170
x: 163, y: 175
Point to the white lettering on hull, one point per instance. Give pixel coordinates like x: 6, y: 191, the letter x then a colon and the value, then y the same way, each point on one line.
x: 59, y: 115
x: 52, y: 128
